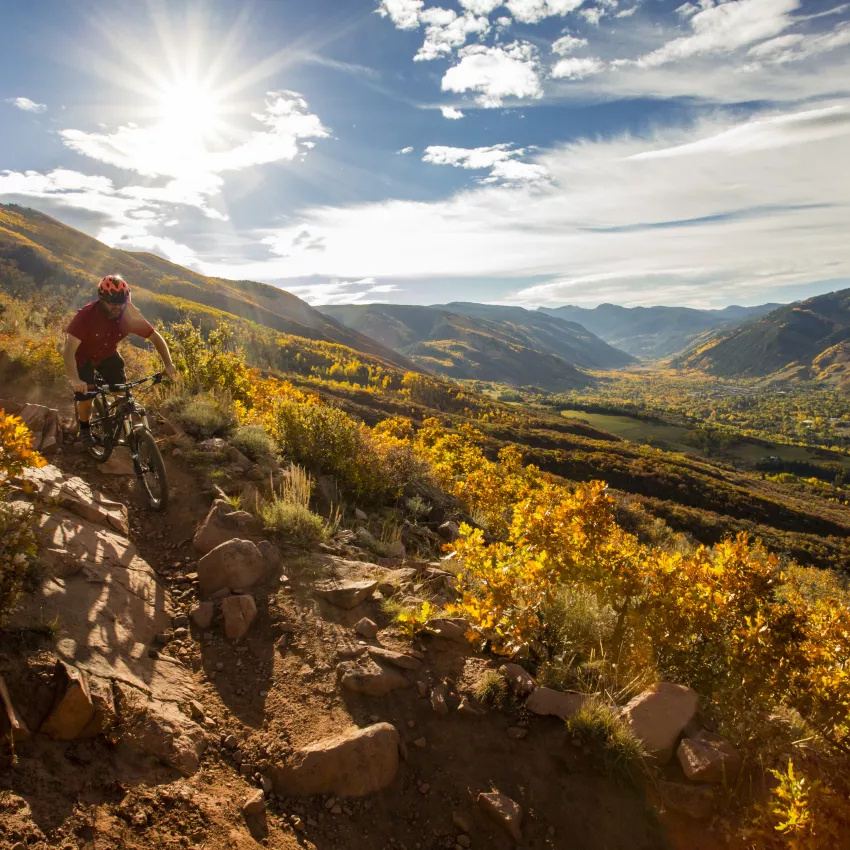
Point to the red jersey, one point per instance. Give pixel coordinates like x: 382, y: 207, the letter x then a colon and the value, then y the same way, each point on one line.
x: 99, y: 334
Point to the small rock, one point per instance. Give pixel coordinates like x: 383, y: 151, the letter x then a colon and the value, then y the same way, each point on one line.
x: 371, y: 678
x: 336, y: 810
x: 196, y: 709
x: 345, y: 594
x: 438, y: 699
x: 657, y: 716
x: 330, y: 802
x: 202, y: 614
x: 424, y: 788
x: 449, y: 531
x: 422, y: 689
x: 397, y: 659
x: 466, y: 709
x: 366, y: 628
x: 230, y: 742
x: 545, y: 701
x: 72, y: 705
x: 180, y: 621
x: 517, y: 733
x: 518, y: 679
x: 361, y: 516
x: 709, y: 758
x: 421, y: 743
x: 451, y: 628
x: 503, y: 811
x: 238, y: 612
x: 255, y: 804
x: 298, y: 824
x: 464, y: 840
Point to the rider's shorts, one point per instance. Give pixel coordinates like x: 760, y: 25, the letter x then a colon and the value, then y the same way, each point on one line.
x: 111, y: 370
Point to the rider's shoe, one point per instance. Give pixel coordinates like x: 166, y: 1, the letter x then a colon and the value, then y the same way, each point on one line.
x: 86, y: 437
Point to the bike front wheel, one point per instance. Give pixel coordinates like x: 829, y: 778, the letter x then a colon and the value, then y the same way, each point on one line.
x: 150, y: 469
x: 102, y: 448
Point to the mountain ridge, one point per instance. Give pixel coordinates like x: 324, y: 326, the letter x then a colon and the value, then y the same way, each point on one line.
x: 655, y: 332
x: 545, y: 352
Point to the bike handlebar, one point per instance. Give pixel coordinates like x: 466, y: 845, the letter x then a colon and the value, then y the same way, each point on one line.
x: 120, y: 388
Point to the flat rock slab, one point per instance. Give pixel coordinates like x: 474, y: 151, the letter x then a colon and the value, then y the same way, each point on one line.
x: 75, y: 495
x: 345, y: 594
x: 545, y: 701
x: 353, y: 764
x: 397, y: 659
x: 658, y: 715
x: 370, y: 678
x: 502, y: 810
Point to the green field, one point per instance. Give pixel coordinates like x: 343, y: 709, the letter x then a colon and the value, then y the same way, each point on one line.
x: 744, y: 452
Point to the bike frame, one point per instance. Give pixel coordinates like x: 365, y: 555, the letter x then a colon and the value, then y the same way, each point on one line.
x: 120, y: 413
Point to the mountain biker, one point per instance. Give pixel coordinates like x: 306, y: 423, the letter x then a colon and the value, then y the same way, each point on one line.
x: 91, y: 344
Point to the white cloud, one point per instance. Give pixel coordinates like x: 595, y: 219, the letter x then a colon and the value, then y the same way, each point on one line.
x: 577, y: 69
x: 341, y: 291
x: 534, y: 11
x: 451, y: 112
x: 480, y: 7
x: 726, y: 27
x: 496, y: 73
x: 403, y: 13
x: 627, y: 13
x: 723, y: 210
x: 26, y: 105
x: 500, y: 160
x: 446, y: 31
x: 593, y: 15
x: 406, y: 150
x: 567, y: 44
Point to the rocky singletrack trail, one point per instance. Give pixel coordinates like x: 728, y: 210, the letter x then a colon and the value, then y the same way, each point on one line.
x: 289, y: 712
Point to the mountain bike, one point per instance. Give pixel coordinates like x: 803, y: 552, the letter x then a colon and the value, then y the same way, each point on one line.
x: 124, y: 422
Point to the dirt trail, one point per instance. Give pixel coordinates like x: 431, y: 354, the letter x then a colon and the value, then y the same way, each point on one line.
x: 275, y: 696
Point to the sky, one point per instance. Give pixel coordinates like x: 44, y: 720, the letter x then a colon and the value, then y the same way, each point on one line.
x: 531, y: 152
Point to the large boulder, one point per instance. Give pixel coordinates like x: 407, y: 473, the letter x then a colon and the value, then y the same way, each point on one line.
x: 345, y: 594
x: 452, y: 628
x: 235, y: 563
x: 239, y: 613
x: 353, y: 764
x: 545, y: 701
x: 504, y: 811
x: 222, y: 523
x: 709, y: 758
x: 72, y: 709
x: 658, y: 715
x: 369, y: 678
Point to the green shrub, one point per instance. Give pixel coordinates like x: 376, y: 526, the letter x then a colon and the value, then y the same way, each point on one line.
x: 17, y: 552
x: 207, y: 415
x: 293, y: 522
x: 255, y: 442
x: 598, y: 726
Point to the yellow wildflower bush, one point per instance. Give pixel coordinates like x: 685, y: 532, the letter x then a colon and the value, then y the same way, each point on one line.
x: 18, y: 541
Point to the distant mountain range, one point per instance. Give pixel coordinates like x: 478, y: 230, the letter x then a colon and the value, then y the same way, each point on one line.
x: 38, y: 251
x: 655, y: 332
x: 810, y: 339
x: 505, y: 344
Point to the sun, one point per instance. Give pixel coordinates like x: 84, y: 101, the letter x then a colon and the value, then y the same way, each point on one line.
x: 190, y: 107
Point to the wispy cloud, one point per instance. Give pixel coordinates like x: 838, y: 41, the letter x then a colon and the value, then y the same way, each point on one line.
x: 503, y: 162
x: 691, y: 214
x: 26, y: 105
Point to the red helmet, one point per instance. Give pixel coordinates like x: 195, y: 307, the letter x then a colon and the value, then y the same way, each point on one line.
x: 113, y: 288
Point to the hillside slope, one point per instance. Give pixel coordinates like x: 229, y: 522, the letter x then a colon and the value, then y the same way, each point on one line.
x: 654, y: 332
x: 61, y: 260
x: 811, y: 334
x: 541, y: 352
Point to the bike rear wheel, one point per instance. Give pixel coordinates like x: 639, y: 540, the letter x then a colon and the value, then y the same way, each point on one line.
x: 102, y: 448
x: 150, y: 470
